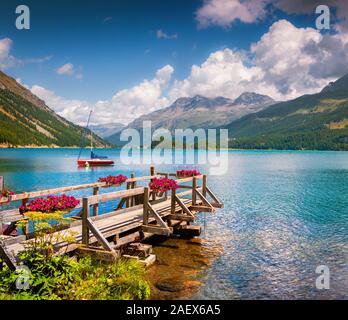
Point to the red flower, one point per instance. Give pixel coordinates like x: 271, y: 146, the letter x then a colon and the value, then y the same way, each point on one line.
x: 51, y: 204
x: 114, y: 180
x: 160, y: 185
x: 187, y: 173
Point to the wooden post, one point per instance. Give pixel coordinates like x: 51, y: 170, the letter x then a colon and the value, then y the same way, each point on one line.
x: 204, y: 185
x: 128, y: 199
x: 131, y: 202
x: 166, y: 193
x: 145, y: 206
x: 152, y: 173
x: 194, y: 187
x: 95, y: 206
x: 172, y: 210
x: 2, y: 184
x: 26, y: 230
x: 85, y: 216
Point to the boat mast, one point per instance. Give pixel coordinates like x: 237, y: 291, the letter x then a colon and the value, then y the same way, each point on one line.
x: 84, y: 135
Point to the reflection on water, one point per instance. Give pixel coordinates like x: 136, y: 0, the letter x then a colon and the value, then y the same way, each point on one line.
x: 179, y: 266
x: 285, y: 214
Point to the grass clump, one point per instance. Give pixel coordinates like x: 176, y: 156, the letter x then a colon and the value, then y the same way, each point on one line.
x: 63, y: 278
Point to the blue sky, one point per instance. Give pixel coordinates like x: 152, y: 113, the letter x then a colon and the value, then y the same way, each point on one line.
x: 109, y: 46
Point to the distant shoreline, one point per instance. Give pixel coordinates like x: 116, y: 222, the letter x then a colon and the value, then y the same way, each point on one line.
x: 100, y: 148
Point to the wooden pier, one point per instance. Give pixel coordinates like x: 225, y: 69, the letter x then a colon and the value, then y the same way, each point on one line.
x: 139, y: 215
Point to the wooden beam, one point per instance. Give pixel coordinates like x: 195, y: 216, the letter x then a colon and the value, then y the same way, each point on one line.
x: 157, y: 230
x: 213, y: 196
x: 105, y: 244
x: 34, y: 194
x: 183, y: 206
x: 85, y: 217
x: 172, y: 206
x: 205, y: 201
x: 156, y: 216
x: 95, y: 206
x: 152, y: 173
x: 180, y: 217
x: 7, y: 257
x: 143, y: 178
x: 204, y: 185
x: 145, y: 206
x: 194, y: 187
x: 202, y: 208
x: 121, y: 204
x: 2, y: 184
x: 115, y: 195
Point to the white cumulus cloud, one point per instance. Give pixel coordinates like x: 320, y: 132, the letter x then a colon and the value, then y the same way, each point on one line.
x: 66, y: 69
x: 285, y: 63
x: 224, y: 12
x: 124, y: 106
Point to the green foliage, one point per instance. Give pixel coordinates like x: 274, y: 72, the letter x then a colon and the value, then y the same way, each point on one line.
x: 60, y: 277
x: 317, y: 140
x: 23, y: 123
x: 302, y: 123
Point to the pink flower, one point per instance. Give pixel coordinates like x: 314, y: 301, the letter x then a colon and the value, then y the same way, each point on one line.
x: 113, y: 180
x: 51, y: 204
x: 187, y: 173
x: 160, y: 185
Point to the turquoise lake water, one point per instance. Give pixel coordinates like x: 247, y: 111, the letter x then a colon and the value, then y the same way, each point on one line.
x: 285, y: 214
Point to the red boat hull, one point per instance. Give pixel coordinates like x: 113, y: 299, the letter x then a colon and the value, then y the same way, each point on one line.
x: 94, y: 162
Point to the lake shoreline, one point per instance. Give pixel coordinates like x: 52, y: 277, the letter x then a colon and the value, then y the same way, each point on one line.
x: 33, y: 147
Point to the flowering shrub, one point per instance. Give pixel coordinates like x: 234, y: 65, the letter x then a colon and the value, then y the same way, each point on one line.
x: 113, y: 180
x: 160, y: 185
x: 187, y: 173
x: 50, y: 204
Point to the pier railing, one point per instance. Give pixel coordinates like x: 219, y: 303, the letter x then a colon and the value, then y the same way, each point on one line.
x: 131, y: 197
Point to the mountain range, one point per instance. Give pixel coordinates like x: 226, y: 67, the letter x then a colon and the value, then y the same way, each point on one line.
x: 200, y: 112
x: 25, y: 120
x: 317, y: 121
x: 313, y: 121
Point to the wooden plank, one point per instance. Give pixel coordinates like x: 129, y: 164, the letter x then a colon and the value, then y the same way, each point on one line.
x: 115, y: 195
x: 157, y: 230
x: 180, y: 217
x: 12, y: 240
x: 105, y: 244
x: 142, y: 178
x: 189, y: 179
x: 202, y: 208
x: 34, y: 194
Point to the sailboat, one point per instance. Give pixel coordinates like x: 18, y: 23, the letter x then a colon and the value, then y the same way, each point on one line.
x: 94, y: 160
